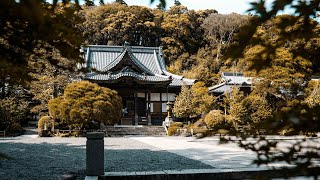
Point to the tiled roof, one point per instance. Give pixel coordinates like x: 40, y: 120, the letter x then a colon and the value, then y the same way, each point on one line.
x: 235, y: 78
x: 112, y: 77
x: 229, y: 80
x: 150, y: 60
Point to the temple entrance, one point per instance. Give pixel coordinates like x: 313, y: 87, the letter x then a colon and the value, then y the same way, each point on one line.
x: 130, y: 108
x: 141, y: 107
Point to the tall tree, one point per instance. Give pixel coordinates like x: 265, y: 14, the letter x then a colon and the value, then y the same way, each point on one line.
x: 221, y: 30
x: 193, y: 102
x: 49, y: 81
x: 27, y: 23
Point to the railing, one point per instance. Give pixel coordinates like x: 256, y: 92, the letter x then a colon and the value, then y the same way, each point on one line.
x: 3, y: 133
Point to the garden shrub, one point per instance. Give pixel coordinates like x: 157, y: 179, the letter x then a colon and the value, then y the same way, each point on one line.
x: 16, y: 127
x: 215, y: 119
x: 45, y: 120
x: 12, y: 110
x: 199, y: 126
x: 172, y: 130
x: 83, y: 102
x: 288, y: 132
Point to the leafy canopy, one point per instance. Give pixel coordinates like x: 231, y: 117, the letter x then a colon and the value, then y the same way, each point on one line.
x: 83, y: 102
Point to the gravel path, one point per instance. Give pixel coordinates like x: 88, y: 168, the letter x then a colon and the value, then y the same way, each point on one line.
x: 50, y: 158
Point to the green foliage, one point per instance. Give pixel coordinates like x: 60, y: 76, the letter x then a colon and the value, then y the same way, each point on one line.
x: 215, y: 119
x: 16, y: 127
x: 48, y: 81
x: 247, y: 113
x: 221, y: 30
x: 199, y: 127
x: 172, y: 130
x: 313, y: 93
x: 183, y: 104
x: 12, y: 110
x: 236, y: 110
x: 26, y: 24
x: 45, y: 122
x: 258, y: 109
x: 289, y: 66
x: 116, y: 23
x: 83, y: 102
x: 202, y: 102
x: 192, y: 102
x: 178, y: 30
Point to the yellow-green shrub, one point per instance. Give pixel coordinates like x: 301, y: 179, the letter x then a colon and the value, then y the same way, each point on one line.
x: 83, y: 102
x: 45, y: 120
x: 215, y: 119
x: 172, y: 130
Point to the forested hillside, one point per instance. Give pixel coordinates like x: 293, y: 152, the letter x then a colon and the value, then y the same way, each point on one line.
x: 196, y: 43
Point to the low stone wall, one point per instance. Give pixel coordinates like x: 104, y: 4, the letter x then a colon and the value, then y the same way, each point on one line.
x: 209, y: 174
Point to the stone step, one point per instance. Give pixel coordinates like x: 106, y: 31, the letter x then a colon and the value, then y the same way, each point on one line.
x: 136, y: 130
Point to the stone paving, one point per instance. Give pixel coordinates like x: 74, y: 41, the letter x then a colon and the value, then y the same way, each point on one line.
x: 50, y: 158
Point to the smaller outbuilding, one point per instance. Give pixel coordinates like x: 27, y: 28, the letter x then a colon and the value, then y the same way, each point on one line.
x: 229, y: 80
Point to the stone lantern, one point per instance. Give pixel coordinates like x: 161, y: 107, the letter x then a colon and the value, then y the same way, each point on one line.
x: 168, y: 119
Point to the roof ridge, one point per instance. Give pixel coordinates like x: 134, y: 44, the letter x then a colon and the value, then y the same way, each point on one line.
x: 113, y: 62
x: 216, y: 86
x: 138, y: 63
x: 157, y: 62
x: 118, y: 59
x: 114, y: 46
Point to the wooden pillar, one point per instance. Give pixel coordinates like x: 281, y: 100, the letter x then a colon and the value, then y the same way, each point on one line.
x: 149, y: 108
x: 161, y: 105
x: 136, y: 108
x: 167, y: 94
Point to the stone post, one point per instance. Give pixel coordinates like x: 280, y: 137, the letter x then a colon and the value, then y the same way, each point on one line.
x: 95, y: 154
x: 136, y: 117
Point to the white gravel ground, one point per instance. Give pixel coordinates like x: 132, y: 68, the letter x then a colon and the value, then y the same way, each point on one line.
x: 50, y: 158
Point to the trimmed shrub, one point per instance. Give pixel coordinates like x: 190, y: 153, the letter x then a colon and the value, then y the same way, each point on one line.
x: 45, y: 121
x: 172, y: 130
x: 215, y: 119
x: 199, y: 126
x: 16, y: 127
x: 83, y: 102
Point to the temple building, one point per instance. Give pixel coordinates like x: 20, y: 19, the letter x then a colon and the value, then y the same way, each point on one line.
x: 229, y: 80
x: 139, y: 75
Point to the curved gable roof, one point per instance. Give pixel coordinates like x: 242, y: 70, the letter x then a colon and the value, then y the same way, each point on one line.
x: 112, y: 61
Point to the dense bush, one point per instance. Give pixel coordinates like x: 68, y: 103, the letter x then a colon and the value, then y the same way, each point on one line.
x: 216, y: 120
x: 12, y: 110
x: 192, y: 102
x: 45, y: 121
x: 16, y: 127
x: 83, y: 102
x: 172, y: 130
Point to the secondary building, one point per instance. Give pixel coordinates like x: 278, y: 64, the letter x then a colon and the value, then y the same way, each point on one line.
x: 229, y: 80
x: 139, y: 75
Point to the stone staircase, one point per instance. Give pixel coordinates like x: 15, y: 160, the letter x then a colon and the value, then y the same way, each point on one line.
x: 132, y: 130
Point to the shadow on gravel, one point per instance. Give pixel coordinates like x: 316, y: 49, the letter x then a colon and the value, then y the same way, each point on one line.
x: 51, y: 161
x: 41, y: 161
x: 146, y: 160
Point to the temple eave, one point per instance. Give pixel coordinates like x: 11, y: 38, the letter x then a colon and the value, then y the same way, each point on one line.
x: 132, y: 79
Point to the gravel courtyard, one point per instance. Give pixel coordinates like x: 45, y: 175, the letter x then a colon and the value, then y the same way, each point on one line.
x: 50, y: 158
